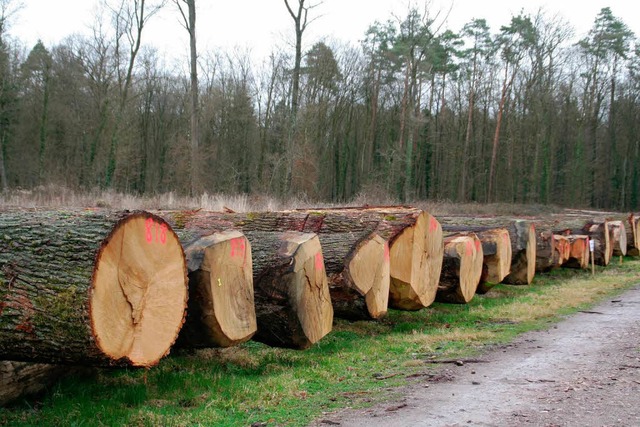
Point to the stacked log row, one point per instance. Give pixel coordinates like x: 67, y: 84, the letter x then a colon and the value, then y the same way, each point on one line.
x: 578, y: 252
x: 545, y: 248
x: 293, y: 305
x: 522, y: 236
x: 496, y: 250
x: 599, y: 233
x: 461, y: 268
x: 633, y: 235
x: 89, y: 288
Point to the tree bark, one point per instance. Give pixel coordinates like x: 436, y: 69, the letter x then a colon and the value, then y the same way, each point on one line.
x: 293, y: 305
x: 89, y: 287
x: 461, y: 268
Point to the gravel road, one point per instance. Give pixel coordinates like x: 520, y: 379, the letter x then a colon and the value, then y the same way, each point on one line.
x: 585, y: 371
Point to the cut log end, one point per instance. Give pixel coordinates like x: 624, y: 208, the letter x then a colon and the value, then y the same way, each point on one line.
x: 370, y: 272
x: 618, y: 234
x: 416, y: 262
x: 293, y: 304
x: 139, y: 291
x: 523, y: 261
x: 462, y: 269
x: 578, y: 251
x: 221, y: 302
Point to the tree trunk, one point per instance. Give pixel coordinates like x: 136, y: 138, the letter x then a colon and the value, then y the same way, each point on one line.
x: 599, y: 233
x: 221, y: 310
x: 522, y: 236
x: 89, y: 288
x: 545, y: 248
x: 561, y: 250
x: 633, y: 235
x: 579, y: 252
x: 293, y: 306
x: 461, y: 269
x: 497, y: 255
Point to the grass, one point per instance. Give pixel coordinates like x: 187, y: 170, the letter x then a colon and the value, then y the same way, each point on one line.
x: 358, y: 364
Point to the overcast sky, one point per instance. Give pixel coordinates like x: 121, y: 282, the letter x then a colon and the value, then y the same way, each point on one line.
x: 264, y: 24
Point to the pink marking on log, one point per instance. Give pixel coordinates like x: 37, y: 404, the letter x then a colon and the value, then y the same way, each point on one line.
x: 469, y: 248
x: 478, y: 244
x: 237, y: 247
x: 387, y: 254
x: 433, y: 224
x: 319, y: 261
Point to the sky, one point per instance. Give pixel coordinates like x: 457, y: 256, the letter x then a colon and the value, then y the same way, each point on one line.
x: 265, y: 25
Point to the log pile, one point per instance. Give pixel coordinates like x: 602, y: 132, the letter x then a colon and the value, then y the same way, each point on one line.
x: 103, y: 288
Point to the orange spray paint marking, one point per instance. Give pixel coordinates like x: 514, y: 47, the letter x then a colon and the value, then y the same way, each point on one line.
x: 478, y: 244
x: 387, y: 254
x: 433, y: 224
x: 319, y: 262
x: 154, y: 232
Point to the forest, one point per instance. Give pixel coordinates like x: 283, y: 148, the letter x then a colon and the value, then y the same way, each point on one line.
x: 524, y: 113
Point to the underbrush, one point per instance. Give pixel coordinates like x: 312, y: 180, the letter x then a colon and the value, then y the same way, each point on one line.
x: 356, y: 365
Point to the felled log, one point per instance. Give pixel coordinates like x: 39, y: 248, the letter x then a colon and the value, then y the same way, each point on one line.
x: 545, y: 248
x: 561, y: 251
x: 221, y: 310
x: 356, y: 247
x: 22, y: 379
x: 578, y: 252
x: 618, y: 235
x: 599, y: 233
x: 359, y: 282
x: 293, y: 306
x: 522, y: 235
x: 461, y: 268
x: 89, y: 287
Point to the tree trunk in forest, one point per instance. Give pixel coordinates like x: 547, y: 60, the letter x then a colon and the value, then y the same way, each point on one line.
x: 89, y: 287
x: 522, y: 236
x: 221, y: 311
x: 461, y: 268
x: 579, y: 252
x: 293, y: 306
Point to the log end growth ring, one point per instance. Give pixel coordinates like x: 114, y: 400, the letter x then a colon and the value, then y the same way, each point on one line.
x: 371, y: 265
x: 139, y: 290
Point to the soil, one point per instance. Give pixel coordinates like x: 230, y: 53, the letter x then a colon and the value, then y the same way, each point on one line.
x: 585, y: 371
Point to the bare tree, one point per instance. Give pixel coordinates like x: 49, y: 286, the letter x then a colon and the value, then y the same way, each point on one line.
x: 129, y: 19
x: 189, y: 23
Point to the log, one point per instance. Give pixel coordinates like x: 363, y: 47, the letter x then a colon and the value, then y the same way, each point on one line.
x: 359, y: 280
x: 522, y: 235
x: 561, y: 250
x: 497, y: 253
x: 24, y: 379
x: 293, y: 305
x: 414, y: 236
x: 578, y: 252
x: 599, y: 233
x: 461, y: 268
x: 545, y: 248
x: 618, y: 235
x: 221, y: 311
x: 89, y: 287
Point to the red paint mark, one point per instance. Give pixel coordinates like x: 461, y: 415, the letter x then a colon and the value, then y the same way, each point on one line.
x: 319, y: 262
x: 238, y: 247
x: 155, y: 232
x: 387, y: 254
x: 505, y: 237
x: 533, y: 228
x: 469, y: 248
x: 478, y: 244
x: 2, y: 305
x: 26, y: 326
x: 433, y: 224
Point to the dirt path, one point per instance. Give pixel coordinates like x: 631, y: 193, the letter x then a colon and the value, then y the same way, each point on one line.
x: 583, y: 372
